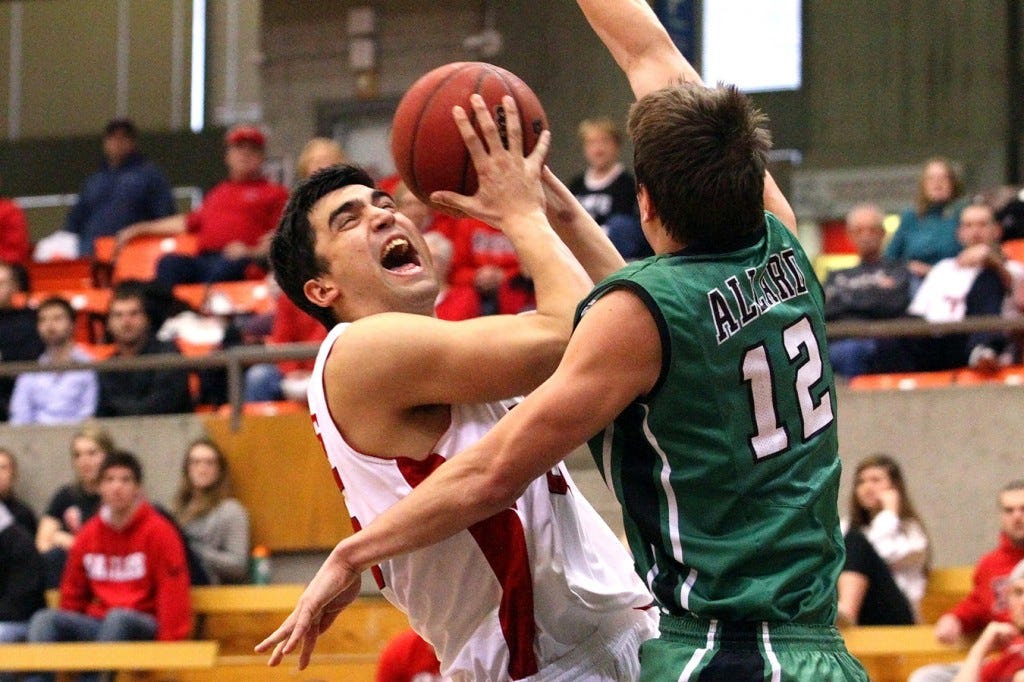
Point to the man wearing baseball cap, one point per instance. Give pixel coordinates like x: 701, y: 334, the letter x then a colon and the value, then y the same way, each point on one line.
x: 234, y: 223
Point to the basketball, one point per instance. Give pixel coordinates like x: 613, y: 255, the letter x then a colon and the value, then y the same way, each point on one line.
x: 426, y: 145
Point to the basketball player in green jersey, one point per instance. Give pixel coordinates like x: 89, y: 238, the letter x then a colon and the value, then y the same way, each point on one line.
x: 704, y: 372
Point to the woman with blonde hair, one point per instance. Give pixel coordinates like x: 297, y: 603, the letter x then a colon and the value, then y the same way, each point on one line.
x: 215, y: 524
x: 884, y: 521
x: 73, y: 504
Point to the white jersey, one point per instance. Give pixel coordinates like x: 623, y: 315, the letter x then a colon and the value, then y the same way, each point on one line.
x: 512, y: 594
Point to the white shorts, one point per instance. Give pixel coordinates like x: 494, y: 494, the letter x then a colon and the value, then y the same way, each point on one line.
x: 611, y: 655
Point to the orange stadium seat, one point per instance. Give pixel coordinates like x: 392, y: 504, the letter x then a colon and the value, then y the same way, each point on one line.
x: 905, y: 381
x: 99, y: 351
x: 1014, y: 249
x: 239, y: 298
x: 193, y: 294
x: 138, y: 258
x: 60, y: 274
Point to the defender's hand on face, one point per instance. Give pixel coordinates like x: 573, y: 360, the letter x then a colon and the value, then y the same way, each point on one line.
x: 509, y: 182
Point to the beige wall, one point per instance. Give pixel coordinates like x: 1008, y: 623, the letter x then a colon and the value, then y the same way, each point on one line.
x: 957, y: 448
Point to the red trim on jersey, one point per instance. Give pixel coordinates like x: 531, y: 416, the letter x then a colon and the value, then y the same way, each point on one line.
x: 503, y: 542
x: 378, y: 575
x: 557, y: 485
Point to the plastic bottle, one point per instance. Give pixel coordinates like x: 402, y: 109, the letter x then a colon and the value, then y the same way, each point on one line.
x: 260, y: 565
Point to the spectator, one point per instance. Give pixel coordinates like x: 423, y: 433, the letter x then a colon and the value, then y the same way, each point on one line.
x: 215, y: 524
x: 15, y: 248
x: 233, y: 225
x: 928, y: 232
x: 21, y: 579
x: 407, y: 657
x: 422, y: 216
x: 19, y: 339
x: 973, y: 283
x: 607, y: 190
x: 23, y: 514
x: 127, y: 188
x: 73, y: 504
x: 61, y: 396
x: 157, y: 391
x: 1004, y: 638
x: 453, y: 302
x: 484, y: 259
x: 288, y: 378
x: 126, y: 577
x: 876, y: 288
x: 987, y: 601
x: 884, y: 518
x: 319, y: 152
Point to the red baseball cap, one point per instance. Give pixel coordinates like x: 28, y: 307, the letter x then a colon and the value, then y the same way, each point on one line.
x: 246, y: 134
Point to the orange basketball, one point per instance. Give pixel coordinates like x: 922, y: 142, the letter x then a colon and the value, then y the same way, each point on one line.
x: 427, y: 147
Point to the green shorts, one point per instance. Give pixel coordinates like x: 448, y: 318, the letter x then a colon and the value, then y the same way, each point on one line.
x: 692, y: 649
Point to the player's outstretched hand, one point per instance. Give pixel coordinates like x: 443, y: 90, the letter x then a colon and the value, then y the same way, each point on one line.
x: 332, y: 589
x: 509, y: 182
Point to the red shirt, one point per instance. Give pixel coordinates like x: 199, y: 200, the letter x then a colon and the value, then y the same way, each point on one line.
x: 141, y: 567
x: 14, y: 244
x: 237, y: 211
x: 1009, y: 662
x: 407, y: 657
x: 292, y: 325
x: 475, y: 244
x: 457, y: 303
x: 987, y: 600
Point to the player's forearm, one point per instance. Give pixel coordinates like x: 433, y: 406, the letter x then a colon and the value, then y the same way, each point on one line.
x: 580, y: 232
x: 639, y: 44
x: 560, y: 282
x: 458, y: 494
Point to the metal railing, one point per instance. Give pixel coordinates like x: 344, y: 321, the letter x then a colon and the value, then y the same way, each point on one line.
x: 237, y: 358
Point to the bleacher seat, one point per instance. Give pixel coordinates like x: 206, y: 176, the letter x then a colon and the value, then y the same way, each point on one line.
x: 1014, y: 248
x: 138, y: 258
x: 60, y: 275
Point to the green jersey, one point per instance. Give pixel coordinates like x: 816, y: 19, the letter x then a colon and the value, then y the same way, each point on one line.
x: 728, y: 470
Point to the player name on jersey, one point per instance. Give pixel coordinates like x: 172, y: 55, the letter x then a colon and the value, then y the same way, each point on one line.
x: 743, y: 302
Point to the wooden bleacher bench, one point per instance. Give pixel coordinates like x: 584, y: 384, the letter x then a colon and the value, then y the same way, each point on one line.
x: 890, y: 653
x: 122, y: 656
x: 946, y: 587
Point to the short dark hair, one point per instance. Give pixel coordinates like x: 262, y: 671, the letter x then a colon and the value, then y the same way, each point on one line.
x: 124, y: 460
x: 701, y: 154
x: 292, y: 255
x: 57, y: 302
x: 121, y: 125
x: 131, y: 288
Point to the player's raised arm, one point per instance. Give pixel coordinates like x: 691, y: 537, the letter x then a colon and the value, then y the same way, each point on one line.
x: 644, y: 51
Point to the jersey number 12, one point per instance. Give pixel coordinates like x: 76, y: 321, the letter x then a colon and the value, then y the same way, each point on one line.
x: 771, y: 437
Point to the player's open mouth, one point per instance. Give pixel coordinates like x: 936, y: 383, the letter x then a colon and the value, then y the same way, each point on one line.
x: 399, y: 256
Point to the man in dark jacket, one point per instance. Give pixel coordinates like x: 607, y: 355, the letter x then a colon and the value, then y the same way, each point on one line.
x: 157, y: 391
x: 127, y: 188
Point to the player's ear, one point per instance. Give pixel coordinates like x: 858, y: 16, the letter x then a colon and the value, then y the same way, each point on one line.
x: 321, y: 291
x: 643, y: 198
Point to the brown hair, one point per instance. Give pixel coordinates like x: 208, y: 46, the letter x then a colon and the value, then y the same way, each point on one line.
x: 859, y: 516
x: 701, y: 154
x: 922, y: 204
x: 191, y: 503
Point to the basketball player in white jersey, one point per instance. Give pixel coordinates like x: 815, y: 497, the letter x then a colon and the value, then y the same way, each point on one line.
x: 541, y: 590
